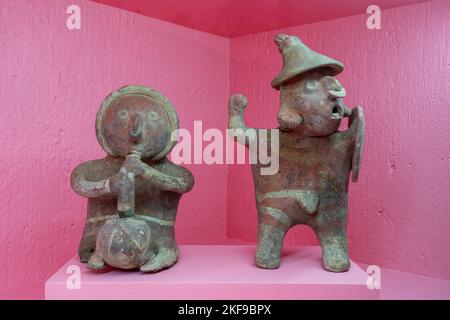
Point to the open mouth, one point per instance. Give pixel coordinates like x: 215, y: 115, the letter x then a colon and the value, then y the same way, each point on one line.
x: 337, y: 112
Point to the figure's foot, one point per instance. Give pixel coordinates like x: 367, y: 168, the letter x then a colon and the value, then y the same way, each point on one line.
x: 335, y: 258
x: 266, y: 261
x: 164, y: 259
x: 85, y: 256
x: 87, y: 248
x: 96, y: 262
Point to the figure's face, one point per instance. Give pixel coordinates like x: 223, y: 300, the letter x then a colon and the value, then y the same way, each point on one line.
x: 134, y: 123
x: 312, y: 105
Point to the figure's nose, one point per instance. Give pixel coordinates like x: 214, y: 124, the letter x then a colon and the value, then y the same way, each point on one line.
x: 135, y: 128
x: 335, y: 89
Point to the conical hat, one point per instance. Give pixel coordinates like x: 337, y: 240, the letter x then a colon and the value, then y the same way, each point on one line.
x: 298, y: 59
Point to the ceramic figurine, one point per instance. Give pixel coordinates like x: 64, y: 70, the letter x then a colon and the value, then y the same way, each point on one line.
x: 133, y: 192
x: 315, y: 158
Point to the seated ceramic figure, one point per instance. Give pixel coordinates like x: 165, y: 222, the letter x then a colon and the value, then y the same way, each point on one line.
x: 133, y: 193
x: 315, y: 158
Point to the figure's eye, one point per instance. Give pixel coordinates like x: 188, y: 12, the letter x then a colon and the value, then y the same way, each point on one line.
x: 123, y: 114
x: 152, y: 115
x: 311, y: 84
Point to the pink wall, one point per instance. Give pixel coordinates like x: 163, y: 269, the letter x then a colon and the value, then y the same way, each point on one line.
x: 52, y: 83
x: 399, y: 209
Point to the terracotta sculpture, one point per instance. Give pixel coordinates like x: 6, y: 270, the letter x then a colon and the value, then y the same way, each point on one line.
x: 315, y: 159
x: 133, y: 192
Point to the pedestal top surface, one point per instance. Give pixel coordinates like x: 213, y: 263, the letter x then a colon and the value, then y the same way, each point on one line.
x: 216, y: 267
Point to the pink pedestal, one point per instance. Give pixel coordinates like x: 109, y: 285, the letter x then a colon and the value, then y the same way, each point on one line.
x: 219, y: 272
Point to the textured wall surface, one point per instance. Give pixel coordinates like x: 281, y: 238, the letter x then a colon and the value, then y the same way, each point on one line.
x: 399, y: 209
x: 52, y: 82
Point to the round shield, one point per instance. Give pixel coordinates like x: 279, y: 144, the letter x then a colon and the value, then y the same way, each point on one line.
x: 136, y: 119
x: 125, y: 243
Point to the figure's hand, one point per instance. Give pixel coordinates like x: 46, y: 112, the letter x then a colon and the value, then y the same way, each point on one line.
x: 116, y: 181
x: 347, y: 111
x: 134, y: 164
x: 237, y: 104
x: 356, y: 112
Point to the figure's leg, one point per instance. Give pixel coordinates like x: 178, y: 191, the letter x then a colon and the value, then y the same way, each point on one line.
x: 270, y: 244
x: 330, y: 226
x: 165, y: 248
x: 91, y: 228
x: 273, y: 224
x: 87, y: 245
x: 334, y: 249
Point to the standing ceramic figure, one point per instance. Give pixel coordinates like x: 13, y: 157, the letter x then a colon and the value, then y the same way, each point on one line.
x: 315, y: 159
x: 133, y: 192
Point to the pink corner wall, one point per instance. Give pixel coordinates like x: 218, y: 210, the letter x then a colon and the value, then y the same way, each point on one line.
x: 399, y: 209
x: 52, y: 82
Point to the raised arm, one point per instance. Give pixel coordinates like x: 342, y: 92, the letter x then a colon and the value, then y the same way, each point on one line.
x: 238, y: 130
